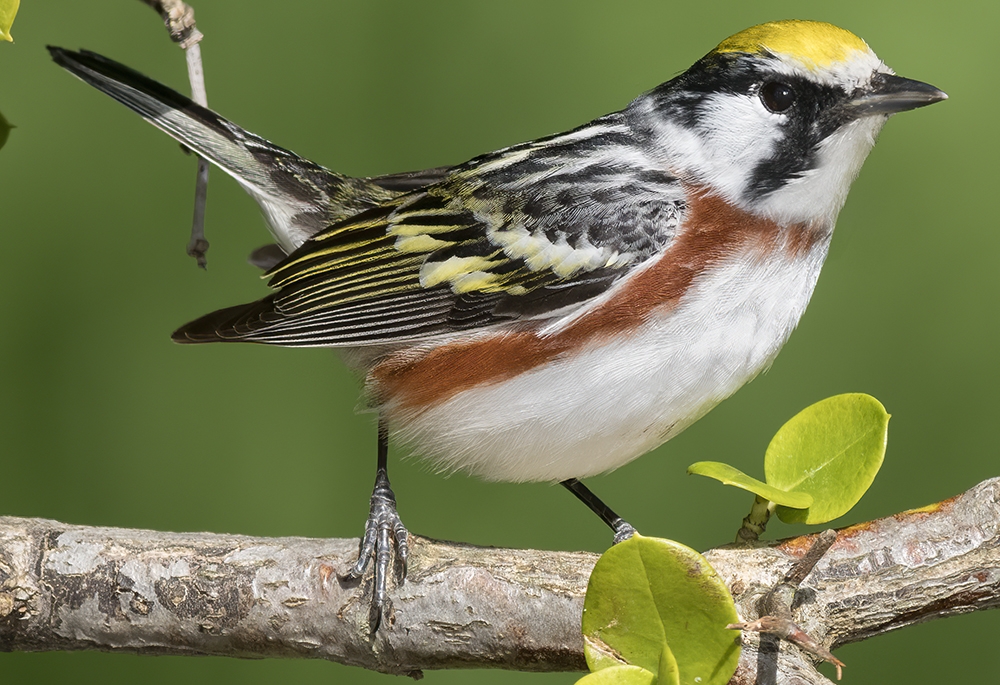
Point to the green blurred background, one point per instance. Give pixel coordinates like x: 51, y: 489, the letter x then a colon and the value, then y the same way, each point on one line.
x: 103, y: 421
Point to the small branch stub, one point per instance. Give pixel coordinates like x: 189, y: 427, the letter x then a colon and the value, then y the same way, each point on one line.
x: 776, y: 605
x: 179, y: 19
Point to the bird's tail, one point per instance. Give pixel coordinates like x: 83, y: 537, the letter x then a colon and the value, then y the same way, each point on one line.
x: 287, y: 186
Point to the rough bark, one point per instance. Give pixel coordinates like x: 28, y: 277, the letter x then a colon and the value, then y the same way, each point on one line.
x: 65, y: 587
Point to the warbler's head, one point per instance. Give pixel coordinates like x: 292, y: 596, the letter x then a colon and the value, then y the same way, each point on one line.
x: 778, y: 118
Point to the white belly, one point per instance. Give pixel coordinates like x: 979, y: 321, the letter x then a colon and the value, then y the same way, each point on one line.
x: 595, y: 411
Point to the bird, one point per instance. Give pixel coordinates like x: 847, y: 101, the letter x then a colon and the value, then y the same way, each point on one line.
x: 555, y: 309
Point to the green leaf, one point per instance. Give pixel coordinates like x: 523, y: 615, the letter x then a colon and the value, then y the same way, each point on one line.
x: 5, y: 127
x: 8, y: 9
x: 730, y: 475
x: 668, y: 674
x: 619, y: 675
x: 647, y: 592
x: 831, y: 450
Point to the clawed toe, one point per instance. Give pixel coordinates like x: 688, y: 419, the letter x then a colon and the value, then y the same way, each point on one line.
x: 385, y: 540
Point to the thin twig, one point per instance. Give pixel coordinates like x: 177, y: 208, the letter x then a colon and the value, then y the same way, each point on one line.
x: 179, y: 19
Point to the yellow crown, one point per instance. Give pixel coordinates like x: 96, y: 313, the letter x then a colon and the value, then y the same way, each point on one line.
x: 815, y: 44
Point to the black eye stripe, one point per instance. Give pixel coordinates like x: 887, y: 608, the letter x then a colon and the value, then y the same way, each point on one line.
x: 777, y: 96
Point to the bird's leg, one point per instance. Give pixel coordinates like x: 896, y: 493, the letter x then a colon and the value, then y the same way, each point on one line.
x: 384, y: 533
x: 623, y: 529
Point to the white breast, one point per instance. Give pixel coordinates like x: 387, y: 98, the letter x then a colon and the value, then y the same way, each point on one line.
x: 594, y: 411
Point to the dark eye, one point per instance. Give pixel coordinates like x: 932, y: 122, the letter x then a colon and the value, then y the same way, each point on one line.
x: 777, y: 96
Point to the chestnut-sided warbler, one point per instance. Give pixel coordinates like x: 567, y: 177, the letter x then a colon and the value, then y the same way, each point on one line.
x: 555, y: 309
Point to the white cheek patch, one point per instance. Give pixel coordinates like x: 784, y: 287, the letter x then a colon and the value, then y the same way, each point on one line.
x: 734, y: 134
x: 740, y: 133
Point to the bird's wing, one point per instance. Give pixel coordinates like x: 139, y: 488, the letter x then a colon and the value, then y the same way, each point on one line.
x: 268, y: 256
x: 526, y: 232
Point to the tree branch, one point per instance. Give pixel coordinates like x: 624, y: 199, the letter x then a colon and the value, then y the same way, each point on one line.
x: 66, y: 587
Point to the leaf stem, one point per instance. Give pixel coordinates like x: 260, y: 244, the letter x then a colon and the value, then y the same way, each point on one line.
x: 756, y: 521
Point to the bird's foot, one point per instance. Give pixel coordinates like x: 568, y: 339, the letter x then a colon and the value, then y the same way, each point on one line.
x: 385, y: 541
x: 623, y: 531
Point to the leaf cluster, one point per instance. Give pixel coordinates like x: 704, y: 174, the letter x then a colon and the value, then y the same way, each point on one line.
x: 656, y: 613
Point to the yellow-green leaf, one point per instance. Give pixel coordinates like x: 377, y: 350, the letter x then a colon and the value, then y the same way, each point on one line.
x: 8, y: 10
x: 619, y: 675
x: 5, y: 128
x: 645, y: 593
x: 730, y: 475
x: 830, y: 450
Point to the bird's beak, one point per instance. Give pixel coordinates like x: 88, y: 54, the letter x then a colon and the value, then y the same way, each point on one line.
x: 889, y: 94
